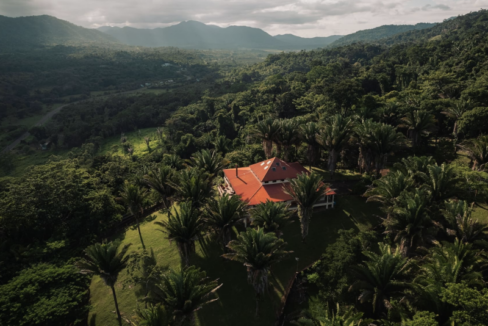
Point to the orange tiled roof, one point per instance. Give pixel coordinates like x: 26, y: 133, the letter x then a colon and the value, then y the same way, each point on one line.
x: 248, y: 181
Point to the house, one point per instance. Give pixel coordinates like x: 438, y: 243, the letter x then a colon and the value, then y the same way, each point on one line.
x: 265, y: 180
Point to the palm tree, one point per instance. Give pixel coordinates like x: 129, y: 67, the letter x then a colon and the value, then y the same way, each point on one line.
x: 266, y: 130
x: 306, y: 190
x: 410, y: 222
x: 192, y: 185
x: 271, y: 216
x: 158, y: 179
x: 106, y: 261
x: 208, y: 161
x: 258, y: 251
x: 154, y: 316
x: 184, y: 292
x: 460, y: 224
x: 419, y: 123
x: 364, y: 135
x: 477, y: 150
x: 333, y: 137
x: 384, y: 139
x: 344, y: 317
x: 308, y: 134
x: 184, y: 226
x: 222, y: 214
x: 387, y: 189
x: 173, y: 161
x: 441, y: 181
x: 287, y: 136
x: 414, y: 166
x: 455, y: 112
x: 382, y: 277
x: 134, y: 198
x: 222, y: 144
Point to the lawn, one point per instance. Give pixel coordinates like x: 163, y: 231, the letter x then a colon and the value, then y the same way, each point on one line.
x: 236, y: 306
x: 480, y: 213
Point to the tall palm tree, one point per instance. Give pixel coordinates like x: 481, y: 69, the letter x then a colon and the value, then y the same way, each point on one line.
x: 410, y: 222
x: 419, y: 123
x: 306, y: 190
x: 382, y: 277
x: 208, y: 161
x: 222, y: 144
x: 460, y: 224
x: 222, y: 214
x: 192, y: 185
x: 287, y: 136
x: 477, y: 150
x: 134, y: 198
x: 333, y: 136
x: 106, y: 261
x: 156, y: 315
x: 184, y: 292
x: 308, y: 134
x: 271, y: 216
x: 414, y: 166
x: 173, y: 161
x: 266, y: 130
x: 384, y: 140
x: 455, y: 112
x: 441, y: 181
x: 158, y: 179
x: 364, y: 137
x: 184, y: 226
x: 258, y: 251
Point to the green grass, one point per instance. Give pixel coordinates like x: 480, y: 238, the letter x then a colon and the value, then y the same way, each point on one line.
x: 481, y: 213
x: 237, y: 305
x: 136, y: 138
x: 339, y: 175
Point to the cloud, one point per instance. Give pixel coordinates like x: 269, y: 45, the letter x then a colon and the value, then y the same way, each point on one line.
x: 302, y: 17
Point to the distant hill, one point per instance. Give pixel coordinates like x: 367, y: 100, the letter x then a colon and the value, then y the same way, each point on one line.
x: 378, y: 33
x: 46, y: 30
x: 192, y: 34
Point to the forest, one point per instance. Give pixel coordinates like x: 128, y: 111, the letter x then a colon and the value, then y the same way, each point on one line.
x: 122, y: 224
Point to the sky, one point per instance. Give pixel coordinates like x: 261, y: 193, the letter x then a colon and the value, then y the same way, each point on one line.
x: 306, y: 18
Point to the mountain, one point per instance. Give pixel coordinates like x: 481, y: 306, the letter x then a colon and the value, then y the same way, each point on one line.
x: 314, y: 42
x: 378, y: 33
x: 192, y: 34
x: 46, y: 30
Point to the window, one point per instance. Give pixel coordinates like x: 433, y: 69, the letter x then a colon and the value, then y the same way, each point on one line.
x: 278, y: 163
x: 284, y: 168
x: 274, y: 169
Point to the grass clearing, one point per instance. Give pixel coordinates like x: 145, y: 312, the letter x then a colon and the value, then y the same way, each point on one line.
x: 236, y: 306
x: 480, y: 213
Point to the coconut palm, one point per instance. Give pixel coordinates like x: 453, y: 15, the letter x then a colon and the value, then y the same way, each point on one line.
x: 266, y: 130
x: 184, y: 292
x: 455, y: 112
x: 306, y: 190
x: 134, y: 198
x: 308, y: 134
x: 441, y: 181
x: 286, y: 137
x: 419, y: 123
x: 271, y: 216
x: 410, y: 223
x: 477, y: 150
x: 184, y: 226
x: 382, y: 277
x: 222, y: 214
x: 340, y: 317
x: 460, y: 224
x: 158, y: 179
x: 258, y: 251
x: 192, y: 185
x: 333, y: 136
x: 208, y: 161
x: 106, y: 261
x: 154, y: 316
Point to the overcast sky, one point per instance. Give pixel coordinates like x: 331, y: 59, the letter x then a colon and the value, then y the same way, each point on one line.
x: 305, y: 18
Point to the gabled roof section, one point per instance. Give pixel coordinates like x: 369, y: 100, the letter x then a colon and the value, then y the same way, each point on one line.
x: 276, y: 169
x: 245, y: 184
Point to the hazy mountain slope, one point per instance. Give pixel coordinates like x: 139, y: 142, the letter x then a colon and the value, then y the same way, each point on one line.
x: 308, y: 42
x: 378, y: 33
x: 46, y: 30
x: 192, y: 34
